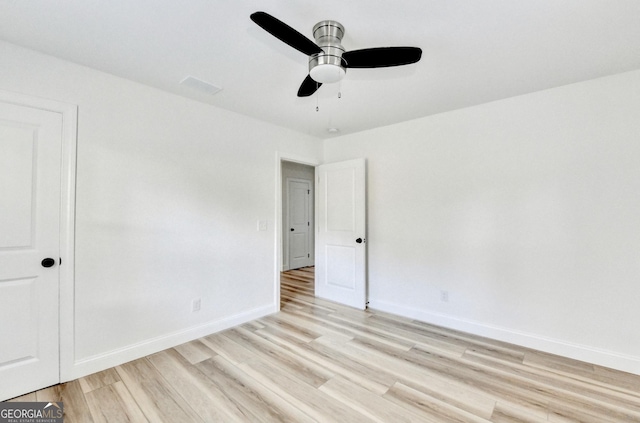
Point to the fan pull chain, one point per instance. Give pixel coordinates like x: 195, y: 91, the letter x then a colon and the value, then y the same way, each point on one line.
x: 317, y: 103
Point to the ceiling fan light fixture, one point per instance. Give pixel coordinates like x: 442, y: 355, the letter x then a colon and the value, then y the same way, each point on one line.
x: 327, y: 73
x: 328, y: 67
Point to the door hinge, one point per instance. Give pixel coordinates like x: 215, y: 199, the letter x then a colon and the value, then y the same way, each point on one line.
x: 60, y: 260
x: 309, y: 255
x: 308, y: 191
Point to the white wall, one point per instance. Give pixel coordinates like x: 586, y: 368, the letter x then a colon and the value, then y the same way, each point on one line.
x: 526, y: 211
x: 169, y: 193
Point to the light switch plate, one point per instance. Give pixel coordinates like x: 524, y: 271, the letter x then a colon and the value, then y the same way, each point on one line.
x: 262, y: 225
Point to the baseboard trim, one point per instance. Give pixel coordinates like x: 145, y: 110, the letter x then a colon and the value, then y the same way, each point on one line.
x: 99, y: 362
x: 601, y: 357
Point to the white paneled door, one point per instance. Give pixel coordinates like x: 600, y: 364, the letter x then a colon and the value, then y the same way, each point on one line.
x: 341, y: 238
x: 30, y: 171
x: 299, y: 214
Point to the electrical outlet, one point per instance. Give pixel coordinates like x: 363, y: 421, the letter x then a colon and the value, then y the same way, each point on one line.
x: 195, y: 305
x: 444, y: 296
x: 262, y: 225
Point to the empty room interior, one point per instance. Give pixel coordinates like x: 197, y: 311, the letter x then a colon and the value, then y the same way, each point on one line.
x: 321, y: 211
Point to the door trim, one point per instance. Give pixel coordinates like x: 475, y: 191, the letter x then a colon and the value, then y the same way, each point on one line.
x: 66, y: 325
x: 277, y: 266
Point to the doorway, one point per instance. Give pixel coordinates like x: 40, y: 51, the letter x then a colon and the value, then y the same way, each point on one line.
x: 297, y: 220
x: 297, y: 215
x: 340, y: 231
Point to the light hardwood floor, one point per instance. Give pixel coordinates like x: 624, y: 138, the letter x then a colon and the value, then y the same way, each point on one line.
x: 318, y: 361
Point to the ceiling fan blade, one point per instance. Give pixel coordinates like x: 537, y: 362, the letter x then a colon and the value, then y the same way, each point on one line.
x: 285, y: 33
x: 380, y: 57
x: 308, y: 87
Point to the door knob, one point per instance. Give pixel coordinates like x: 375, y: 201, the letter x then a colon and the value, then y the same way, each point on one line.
x: 359, y: 240
x: 291, y: 229
x: 48, y: 262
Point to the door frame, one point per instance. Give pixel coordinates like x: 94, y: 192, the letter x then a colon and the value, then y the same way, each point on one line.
x: 69, y: 112
x: 310, y: 210
x: 283, y: 157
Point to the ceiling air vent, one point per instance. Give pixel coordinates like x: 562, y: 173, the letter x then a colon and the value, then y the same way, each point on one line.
x: 200, y: 85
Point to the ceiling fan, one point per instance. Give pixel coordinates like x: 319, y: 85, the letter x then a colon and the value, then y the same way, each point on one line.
x: 328, y: 60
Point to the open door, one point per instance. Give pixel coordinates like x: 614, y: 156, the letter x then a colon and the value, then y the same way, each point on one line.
x: 341, y: 233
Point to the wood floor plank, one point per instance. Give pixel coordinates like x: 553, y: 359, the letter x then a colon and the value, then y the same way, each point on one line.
x: 306, y: 371
x: 113, y: 403
x: 616, y: 378
x: 430, y: 407
x: 300, y: 332
x: 99, y: 380
x: 202, y: 394
x: 256, y: 401
x: 567, y: 411
x: 339, y: 364
x: 254, y: 325
x: 509, y: 413
x: 451, y: 340
x: 497, y: 384
x: 367, y: 403
x: 308, y: 321
x: 562, y: 365
x: 359, y: 330
x: 75, y: 403
x: 577, y: 393
x: 225, y: 347
x: 195, y: 351
x: 308, y: 399
x: 468, y: 398
x: 157, y: 398
x: 318, y: 306
x: 364, y: 329
x: 414, y: 337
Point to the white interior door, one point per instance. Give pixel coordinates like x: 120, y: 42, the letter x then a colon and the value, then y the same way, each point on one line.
x: 341, y: 238
x: 30, y: 167
x: 299, y: 214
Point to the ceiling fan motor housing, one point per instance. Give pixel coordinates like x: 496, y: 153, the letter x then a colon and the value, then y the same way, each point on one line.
x: 329, y: 66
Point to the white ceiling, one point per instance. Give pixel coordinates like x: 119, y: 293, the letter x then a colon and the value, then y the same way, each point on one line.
x: 473, y: 51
